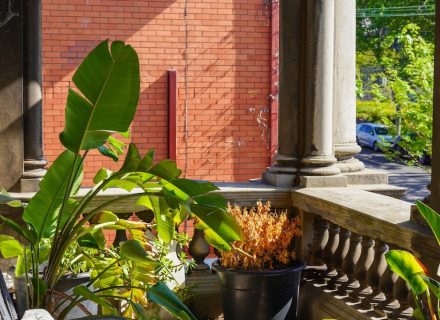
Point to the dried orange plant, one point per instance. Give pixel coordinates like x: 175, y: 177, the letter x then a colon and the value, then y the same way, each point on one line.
x: 267, y: 239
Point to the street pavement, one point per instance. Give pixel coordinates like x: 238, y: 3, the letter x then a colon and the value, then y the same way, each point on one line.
x: 414, y: 179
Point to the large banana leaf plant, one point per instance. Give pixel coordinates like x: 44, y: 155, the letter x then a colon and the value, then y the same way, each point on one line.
x: 103, y: 104
x: 409, y: 268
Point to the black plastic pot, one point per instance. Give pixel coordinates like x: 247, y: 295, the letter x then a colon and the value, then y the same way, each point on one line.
x: 260, y: 295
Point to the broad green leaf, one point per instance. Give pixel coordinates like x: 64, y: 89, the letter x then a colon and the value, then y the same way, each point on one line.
x: 101, y: 175
x: 138, y: 310
x: 117, y: 145
x: 133, y: 250
x: 433, y: 284
x: 85, y: 292
x: 146, y: 202
x: 194, y: 188
x: 220, y: 227
x: 166, y: 298
x: 43, y: 209
x: 147, y: 161
x: 15, y: 203
x: 166, y: 169
x: 108, y: 153
x: 408, y: 268
x: 212, y: 201
x: 94, y: 239
x: 109, y: 81
x: 163, y: 217
x: 104, y: 216
x: 432, y: 217
x: 10, y: 247
x: 29, y: 235
x: 4, y: 196
x: 132, y: 159
x: 39, y: 285
x: 109, y: 271
x: 418, y: 314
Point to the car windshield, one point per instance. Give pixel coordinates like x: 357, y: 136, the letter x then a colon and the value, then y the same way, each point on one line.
x: 381, y: 131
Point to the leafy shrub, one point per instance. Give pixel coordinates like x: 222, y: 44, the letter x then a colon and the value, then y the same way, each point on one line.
x: 267, y: 239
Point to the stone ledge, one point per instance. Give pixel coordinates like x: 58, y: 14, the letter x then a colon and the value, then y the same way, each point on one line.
x: 384, y: 189
x: 367, y: 176
x: 370, y: 214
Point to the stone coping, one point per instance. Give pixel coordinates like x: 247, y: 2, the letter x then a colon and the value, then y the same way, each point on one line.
x: 364, y: 212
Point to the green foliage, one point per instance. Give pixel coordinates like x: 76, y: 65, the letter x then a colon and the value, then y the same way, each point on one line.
x: 414, y: 273
x: 64, y: 231
x: 375, y: 111
x: 395, y: 57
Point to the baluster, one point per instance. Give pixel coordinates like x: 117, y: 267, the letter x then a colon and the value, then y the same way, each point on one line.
x: 360, y: 272
x: 400, y: 293
x: 330, y: 249
x: 199, y: 249
x: 338, y: 258
x: 350, y: 261
x: 387, y: 283
x: 375, y: 273
x: 320, y: 227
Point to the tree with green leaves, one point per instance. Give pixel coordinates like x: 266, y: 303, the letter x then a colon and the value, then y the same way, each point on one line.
x: 395, y: 65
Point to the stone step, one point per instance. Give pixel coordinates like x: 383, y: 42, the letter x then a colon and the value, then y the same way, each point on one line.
x: 384, y: 189
x: 367, y: 176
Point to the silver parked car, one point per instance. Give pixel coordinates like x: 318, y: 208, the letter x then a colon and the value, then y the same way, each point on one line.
x: 373, y: 135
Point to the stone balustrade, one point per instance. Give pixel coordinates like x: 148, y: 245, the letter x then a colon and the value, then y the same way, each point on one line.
x: 346, y: 233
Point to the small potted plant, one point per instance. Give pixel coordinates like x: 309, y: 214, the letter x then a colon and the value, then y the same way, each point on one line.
x: 260, y: 276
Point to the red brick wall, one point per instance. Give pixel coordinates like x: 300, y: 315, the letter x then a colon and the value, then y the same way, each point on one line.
x: 228, y: 77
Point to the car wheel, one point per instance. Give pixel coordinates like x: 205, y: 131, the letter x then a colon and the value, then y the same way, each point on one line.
x: 375, y: 147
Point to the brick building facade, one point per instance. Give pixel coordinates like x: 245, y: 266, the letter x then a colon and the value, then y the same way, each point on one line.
x: 221, y: 50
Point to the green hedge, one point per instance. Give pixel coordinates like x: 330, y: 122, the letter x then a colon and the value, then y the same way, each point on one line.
x: 374, y: 111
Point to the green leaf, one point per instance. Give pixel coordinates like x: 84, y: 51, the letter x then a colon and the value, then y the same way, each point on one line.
x: 166, y: 169
x: 133, y: 250
x: 40, y: 286
x: 408, y: 268
x: 147, y: 161
x: 433, y: 285
x: 108, y: 153
x: 194, y: 188
x: 10, y: 247
x: 43, y: 209
x: 163, y: 296
x: 85, y: 292
x: 15, y: 203
x: 29, y: 235
x: 109, y: 82
x: 163, y: 218
x: 101, y: 175
x: 132, y: 159
x: 212, y: 201
x: 220, y: 227
x: 432, y: 217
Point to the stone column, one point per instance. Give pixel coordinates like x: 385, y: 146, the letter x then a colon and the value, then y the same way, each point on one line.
x: 11, y: 94
x: 317, y: 111
x: 284, y: 171
x: 34, y: 162
x: 344, y: 87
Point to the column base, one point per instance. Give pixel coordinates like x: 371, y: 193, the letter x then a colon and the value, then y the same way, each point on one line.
x: 344, y: 151
x: 319, y: 166
x: 280, y: 176
x: 337, y: 180
x: 350, y: 165
x: 33, y: 174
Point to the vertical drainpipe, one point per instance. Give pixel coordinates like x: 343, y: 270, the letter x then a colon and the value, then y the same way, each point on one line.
x: 275, y: 46
x: 172, y: 114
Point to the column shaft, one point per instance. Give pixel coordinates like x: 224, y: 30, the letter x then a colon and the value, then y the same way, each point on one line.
x: 344, y: 87
x: 318, y: 156
x: 32, y: 103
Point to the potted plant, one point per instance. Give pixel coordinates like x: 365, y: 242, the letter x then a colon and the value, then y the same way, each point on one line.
x: 410, y: 269
x: 57, y: 221
x: 260, y: 276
